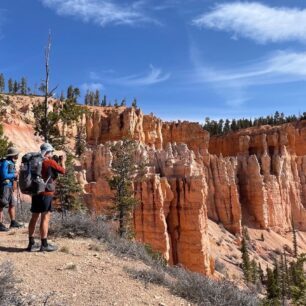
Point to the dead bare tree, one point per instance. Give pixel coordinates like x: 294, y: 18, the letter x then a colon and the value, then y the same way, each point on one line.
x: 46, y: 89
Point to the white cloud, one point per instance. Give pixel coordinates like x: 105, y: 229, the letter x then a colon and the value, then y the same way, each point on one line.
x: 234, y: 85
x: 92, y: 86
x: 101, y: 12
x: 279, y: 67
x: 154, y: 76
x: 256, y: 21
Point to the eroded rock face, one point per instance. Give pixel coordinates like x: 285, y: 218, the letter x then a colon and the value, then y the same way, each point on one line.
x: 172, y: 212
x: 270, y: 174
x: 255, y: 177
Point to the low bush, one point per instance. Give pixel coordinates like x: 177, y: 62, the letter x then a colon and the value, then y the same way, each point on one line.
x: 194, y: 287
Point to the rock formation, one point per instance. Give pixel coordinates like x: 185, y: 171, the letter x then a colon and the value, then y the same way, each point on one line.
x: 255, y: 177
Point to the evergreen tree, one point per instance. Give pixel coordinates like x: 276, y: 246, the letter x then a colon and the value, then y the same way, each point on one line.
x: 134, y: 103
x: 123, y: 102
x: 254, y: 273
x: 104, y: 102
x: 97, y: 98
x: 124, y: 168
x: 116, y: 103
x: 295, y: 246
x: 261, y: 273
x: 23, y: 86
x: 226, y: 128
x: 80, y: 141
x: 62, y: 97
x: 86, y: 99
x: 10, y: 86
x: 2, y: 83
x: 16, y: 87
x: 70, y: 94
x: 246, y: 265
x: 273, y: 290
x: 91, y: 99
x: 4, y: 143
x: 298, y: 280
x: 76, y: 93
x: 68, y: 189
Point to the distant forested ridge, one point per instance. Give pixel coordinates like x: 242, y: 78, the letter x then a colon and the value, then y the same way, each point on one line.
x: 222, y: 126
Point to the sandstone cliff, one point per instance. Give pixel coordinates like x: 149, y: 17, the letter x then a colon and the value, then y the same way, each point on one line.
x: 255, y: 177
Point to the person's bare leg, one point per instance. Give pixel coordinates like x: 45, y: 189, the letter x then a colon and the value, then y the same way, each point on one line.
x: 32, y: 224
x: 12, y: 212
x: 44, y: 225
x: 1, y: 215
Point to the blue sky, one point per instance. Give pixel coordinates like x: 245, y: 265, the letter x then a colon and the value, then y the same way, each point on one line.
x: 181, y: 59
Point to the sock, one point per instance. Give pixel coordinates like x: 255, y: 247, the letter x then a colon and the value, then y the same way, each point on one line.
x: 31, y: 241
x: 44, y: 242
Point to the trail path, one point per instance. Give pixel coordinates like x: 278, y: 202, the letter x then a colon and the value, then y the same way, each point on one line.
x: 80, y: 274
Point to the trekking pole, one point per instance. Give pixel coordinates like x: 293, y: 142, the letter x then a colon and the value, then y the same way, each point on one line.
x: 19, y: 202
x: 62, y: 202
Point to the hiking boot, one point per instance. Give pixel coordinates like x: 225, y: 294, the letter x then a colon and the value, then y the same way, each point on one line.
x: 33, y: 247
x: 15, y: 224
x: 3, y: 228
x: 48, y: 248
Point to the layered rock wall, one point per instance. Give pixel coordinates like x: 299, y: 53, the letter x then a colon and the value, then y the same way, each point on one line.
x: 255, y: 177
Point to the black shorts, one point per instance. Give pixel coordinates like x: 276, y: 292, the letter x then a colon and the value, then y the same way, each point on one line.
x: 41, y: 203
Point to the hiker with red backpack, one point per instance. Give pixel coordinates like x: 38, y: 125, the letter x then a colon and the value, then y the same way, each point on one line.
x: 37, y: 178
x: 8, y: 175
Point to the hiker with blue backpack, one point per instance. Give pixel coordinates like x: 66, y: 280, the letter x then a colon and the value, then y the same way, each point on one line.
x: 8, y: 175
x: 37, y: 178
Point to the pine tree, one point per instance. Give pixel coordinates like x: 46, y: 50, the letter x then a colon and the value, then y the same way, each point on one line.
x: 116, y: 103
x: 273, y: 291
x: 104, y: 102
x: 16, y: 87
x: 134, y: 103
x: 62, y: 97
x: 68, y: 189
x: 246, y: 265
x: 70, y: 92
x: 91, y: 98
x: 4, y: 143
x: 295, y: 246
x: 10, y: 86
x: 97, y: 98
x: 123, y: 102
x: 254, y: 272
x: 2, y: 83
x: 76, y: 94
x: 80, y: 141
x: 261, y: 273
x: 23, y: 86
x: 124, y: 168
x: 86, y: 99
x: 298, y: 281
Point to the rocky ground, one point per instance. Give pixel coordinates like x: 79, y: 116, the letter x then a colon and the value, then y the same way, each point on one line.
x: 82, y: 272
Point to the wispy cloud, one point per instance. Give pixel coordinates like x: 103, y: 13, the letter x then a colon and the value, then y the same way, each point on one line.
x: 101, y: 12
x: 234, y: 84
x: 256, y: 21
x: 153, y: 76
x: 279, y: 67
x: 92, y: 86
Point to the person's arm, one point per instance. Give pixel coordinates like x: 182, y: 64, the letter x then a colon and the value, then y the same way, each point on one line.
x: 4, y: 171
x: 54, y: 165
